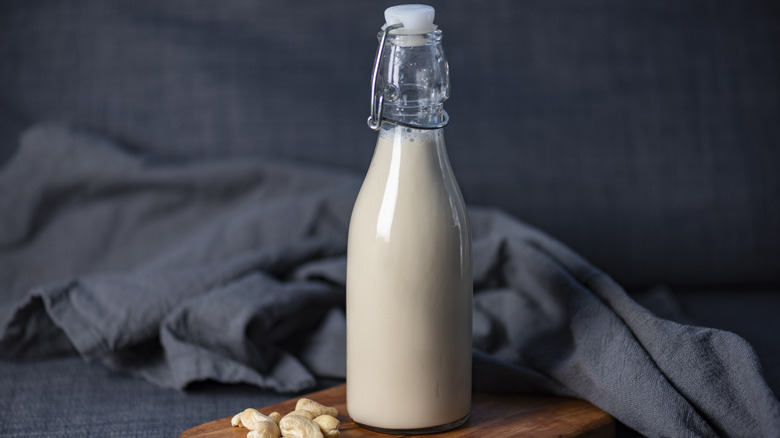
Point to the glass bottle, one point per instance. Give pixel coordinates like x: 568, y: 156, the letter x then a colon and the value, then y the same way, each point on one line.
x: 409, y: 269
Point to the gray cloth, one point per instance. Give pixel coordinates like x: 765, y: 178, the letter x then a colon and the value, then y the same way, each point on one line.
x: 68, y: 398
x: 234, y: 271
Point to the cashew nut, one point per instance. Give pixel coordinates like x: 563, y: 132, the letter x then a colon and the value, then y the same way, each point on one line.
x: 258, y: 424
x: 251, y: 418
x: 315, y: 408
x: 265, y: 429
x: 309, y: 420
x: 329, y: 425
x: 302, y: 413
x: 297, y: 426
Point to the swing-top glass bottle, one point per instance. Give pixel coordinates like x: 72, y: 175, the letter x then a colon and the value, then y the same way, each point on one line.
x: 409, y: 269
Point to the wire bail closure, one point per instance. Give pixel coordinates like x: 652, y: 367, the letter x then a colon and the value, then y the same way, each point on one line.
x: 378, y: 99
x: 377, y: 102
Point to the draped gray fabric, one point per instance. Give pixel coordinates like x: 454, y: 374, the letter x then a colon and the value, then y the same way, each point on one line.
x: 233, y: 271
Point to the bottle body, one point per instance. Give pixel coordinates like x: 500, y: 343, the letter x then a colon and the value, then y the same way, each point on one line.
x: 409, y: 289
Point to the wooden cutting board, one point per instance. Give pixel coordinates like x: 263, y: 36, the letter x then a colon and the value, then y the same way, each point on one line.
x: 492, y: 415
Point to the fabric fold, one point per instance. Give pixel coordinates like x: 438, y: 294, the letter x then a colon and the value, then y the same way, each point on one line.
x: 234, y: 271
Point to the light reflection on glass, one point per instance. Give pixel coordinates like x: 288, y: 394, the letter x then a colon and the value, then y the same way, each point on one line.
x: 390, y: 197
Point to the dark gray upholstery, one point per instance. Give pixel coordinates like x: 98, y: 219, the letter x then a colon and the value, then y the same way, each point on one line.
x: 69, y: 398
x: 646, y: 136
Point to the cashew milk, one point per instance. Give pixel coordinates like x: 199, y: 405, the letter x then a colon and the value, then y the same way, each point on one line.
x: 409, y: 288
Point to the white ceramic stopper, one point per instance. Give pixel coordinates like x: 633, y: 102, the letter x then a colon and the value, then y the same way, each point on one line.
x: 415, y: 18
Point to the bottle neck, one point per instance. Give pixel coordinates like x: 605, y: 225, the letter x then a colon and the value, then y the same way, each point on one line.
x: 401, y: 134
x: 414, y: 79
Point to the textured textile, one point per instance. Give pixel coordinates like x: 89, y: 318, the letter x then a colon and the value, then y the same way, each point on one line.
x: 643, y: 134
x: 233, y: 271
x: 67, y: 398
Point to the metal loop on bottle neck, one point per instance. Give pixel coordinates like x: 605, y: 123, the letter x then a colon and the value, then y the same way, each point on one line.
x: 377, y: 101
x: 445, y: 119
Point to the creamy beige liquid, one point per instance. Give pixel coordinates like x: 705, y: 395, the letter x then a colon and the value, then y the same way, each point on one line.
x: 409, y: 288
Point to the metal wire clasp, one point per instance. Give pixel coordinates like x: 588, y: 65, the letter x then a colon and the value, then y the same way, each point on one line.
x: 377, y: 100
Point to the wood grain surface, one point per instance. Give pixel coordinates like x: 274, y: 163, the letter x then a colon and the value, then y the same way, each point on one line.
x: 492, y: 415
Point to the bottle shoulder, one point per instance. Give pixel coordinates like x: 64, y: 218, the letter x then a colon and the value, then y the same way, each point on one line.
x: 410, y: 189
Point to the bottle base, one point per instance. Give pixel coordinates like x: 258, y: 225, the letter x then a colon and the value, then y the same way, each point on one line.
x: 419, y: 431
